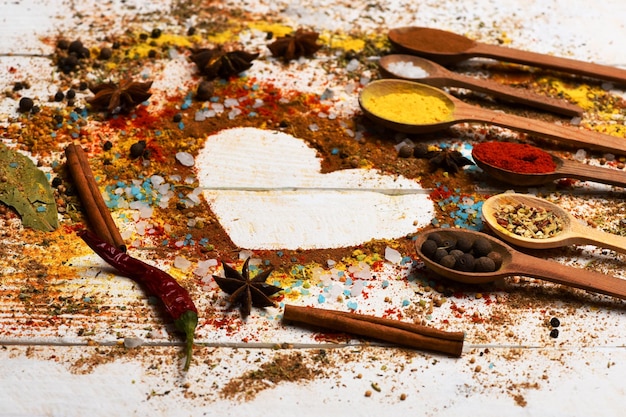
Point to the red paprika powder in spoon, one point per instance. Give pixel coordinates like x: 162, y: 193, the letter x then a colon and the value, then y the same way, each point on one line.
x: 516, y: 157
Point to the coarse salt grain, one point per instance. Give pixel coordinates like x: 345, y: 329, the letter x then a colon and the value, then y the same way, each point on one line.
x: 185, y: 158
x: 407, y: 69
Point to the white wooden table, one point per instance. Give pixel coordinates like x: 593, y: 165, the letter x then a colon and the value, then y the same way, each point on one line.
x: 509, y: 367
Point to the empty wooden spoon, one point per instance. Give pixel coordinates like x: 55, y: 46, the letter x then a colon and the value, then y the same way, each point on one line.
x: 447, y: 48
x: 571, y: 231
x: 515, y: 263
x: 393, y: 103
x: 428, y: 72
x: 565, y: 168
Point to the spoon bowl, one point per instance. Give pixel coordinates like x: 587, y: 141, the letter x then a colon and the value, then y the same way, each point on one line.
x: 410, y: 67
x: 389, y: 102
x: 564, y: 169
x: 572, y: 231
x: 449, y: 48
x: 515, y: 263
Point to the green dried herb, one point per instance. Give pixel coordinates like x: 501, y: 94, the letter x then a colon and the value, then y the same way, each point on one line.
x: 26, y: 188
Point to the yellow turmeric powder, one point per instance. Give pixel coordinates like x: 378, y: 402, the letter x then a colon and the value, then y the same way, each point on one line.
x: 408, y: 107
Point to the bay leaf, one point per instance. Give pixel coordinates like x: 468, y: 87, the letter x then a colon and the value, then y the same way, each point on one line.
x: 26, y: 188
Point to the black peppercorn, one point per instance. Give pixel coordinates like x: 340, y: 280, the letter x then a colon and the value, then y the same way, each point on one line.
x: 205, y: 90
x: 449, y: 242
x: 191, y: 31
x: 177, y: 118
x: 59, y: 96
x: 437, y: 238
x: 107, y: 145
x: 420, y: 150
x: 75, y: 47
x: 143, y: 36
x: 464, y: 243
x: 56, y: 181
x: 496, y: 258
x: 481, y: 247
x: 156, y: 32
x: 554, y: 333
x: 440, y: 253
x: 448, y: 261
x: 26, y: 104
x: 105, y: 53
x: 137, y: 149
x: 35, y: 110
x: 405, y: 151
x: 484, y: 264
x: 465, y: 263
x: 58, y: 119
x: 457, y: 253
x: 71, y: 93
x: 429, y: 247
x: 554, y: 322
x: 152, y: 53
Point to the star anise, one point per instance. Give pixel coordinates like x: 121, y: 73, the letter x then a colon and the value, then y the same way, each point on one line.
x: 214, y: 63
x: 301, y: 43
x: 119, y: 98
x: 448, y: 159
x: 245, y: 291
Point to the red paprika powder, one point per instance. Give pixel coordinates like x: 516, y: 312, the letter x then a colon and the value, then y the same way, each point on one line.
x: 516, y: 157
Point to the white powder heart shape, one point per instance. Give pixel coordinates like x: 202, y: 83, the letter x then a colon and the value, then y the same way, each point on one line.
x: 268, y: 192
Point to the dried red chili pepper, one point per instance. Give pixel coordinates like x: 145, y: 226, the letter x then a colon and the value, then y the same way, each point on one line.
x: 176, y: 299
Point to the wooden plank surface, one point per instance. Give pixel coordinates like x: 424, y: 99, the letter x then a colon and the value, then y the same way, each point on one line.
x: 76, y: 340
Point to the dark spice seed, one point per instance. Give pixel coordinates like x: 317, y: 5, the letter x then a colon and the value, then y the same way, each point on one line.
x: 137, y: 149
x: 554, y: 333
x: 405, y: 151
x: 465, y: 263
x: 554, y: 322
x: 156, y: 33
x: 449, y: 261
x: 420, y: 150
x: 464, y: 244
x: 35, y: 110
x: 107, y: 145
x: 484, y: 264
x: 457, y: 253
x: 177, y: 118
x: 105, y: 53
x: 496, y: 258
x: 429, y: 247
x: 26, y: 104
x: 59, y: 96
x: 440, y: 253
x: 437, y: 238
x: 191, y: 31
x: 71, y: 93
x: 449, y: 242
x: 481, y: 247
x: 56, y: 181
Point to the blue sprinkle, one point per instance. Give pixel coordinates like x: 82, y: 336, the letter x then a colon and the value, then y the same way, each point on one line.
x: 214, y: 99
x: 321, y: 298
x: 13, y: 164
x: 41, y: 209
x: 352, y: 305
x: 165, y: 242
x: 252, y: 114
x: 405, y: 303
x: 304, y: 291
x: 298, y: 283
x: 181, y: 125
x: 385, y: 284
x: 75, y: 135
x: 279, y: 253
x: 74, y: 116
x: 346, y: 293
x: 53, y: 134
x: 334, y: 151
x: 348, y: 281
x: 255, y: 87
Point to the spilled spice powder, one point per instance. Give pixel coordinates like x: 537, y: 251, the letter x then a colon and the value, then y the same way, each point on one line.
x: 516, y: 157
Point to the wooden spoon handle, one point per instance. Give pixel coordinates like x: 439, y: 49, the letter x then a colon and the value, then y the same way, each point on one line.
x: 515, y: 95
x: 584, y: 172
x: 585, y: 279
x: 571, y: 66
x: 597, y: 237
x: 565, y: 135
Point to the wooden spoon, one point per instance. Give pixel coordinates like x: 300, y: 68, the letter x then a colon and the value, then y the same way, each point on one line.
x: 438, y: 76
x: 573, y: 232
x: 564, y: 169
x: 457, y: 112
x: 518, y: 263
x: 449, y: 48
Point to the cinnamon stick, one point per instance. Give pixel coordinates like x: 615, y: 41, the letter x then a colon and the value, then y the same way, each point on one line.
x: 393, y: 331
x: 98, y: 214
